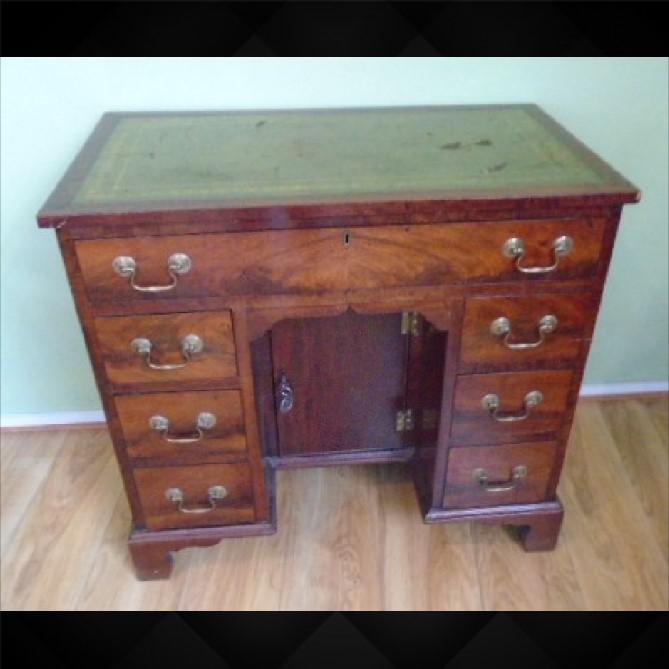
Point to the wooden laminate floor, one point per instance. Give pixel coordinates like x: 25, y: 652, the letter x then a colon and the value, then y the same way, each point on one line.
x: 349, y: 537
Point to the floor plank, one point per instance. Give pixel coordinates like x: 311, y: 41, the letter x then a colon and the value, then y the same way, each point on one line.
x: 25, y: 466
x: 349, y: 537
x: 615, y: 549
x: 642, y: 447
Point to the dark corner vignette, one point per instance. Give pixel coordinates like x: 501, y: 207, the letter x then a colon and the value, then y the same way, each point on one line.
x: 466, y: 27
x: 354, y: 640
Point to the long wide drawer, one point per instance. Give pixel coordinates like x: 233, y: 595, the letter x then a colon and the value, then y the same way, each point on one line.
x: 174, y: 497
x: 495, y: 408
x: 189, y: 426
x: 167, y: 348
x: 508, y: 332
x: 334, y: 259
x: 481, y: 476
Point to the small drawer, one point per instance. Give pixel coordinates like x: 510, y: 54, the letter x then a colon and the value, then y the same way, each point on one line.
x: 510, y: 332
x: 195, y: 426
x: 497, y: 475
x: 167, y: 348
x: 174, y: 497
x: 495, y: 408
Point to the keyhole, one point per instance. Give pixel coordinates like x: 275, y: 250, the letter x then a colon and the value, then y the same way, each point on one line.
x: 347, y: 239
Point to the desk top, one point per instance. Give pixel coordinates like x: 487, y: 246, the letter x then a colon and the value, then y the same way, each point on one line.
x: 152, y: 162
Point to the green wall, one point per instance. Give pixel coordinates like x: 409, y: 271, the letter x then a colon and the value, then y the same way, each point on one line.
x: 616, y: 106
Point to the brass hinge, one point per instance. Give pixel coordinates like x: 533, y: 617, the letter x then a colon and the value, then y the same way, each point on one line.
x: 410, y: 323
x: 404, y: 421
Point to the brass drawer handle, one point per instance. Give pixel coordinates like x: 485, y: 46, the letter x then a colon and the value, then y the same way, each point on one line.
x: 515, y: 248
x: 501, y: 327
x: 205, y: 421
x: 190, y: 344
x: 215, y: 493
x: 491, y: 404
x: 177, y: 263
x: 517, y: 473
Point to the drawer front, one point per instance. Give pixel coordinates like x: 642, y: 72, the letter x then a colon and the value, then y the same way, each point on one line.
x: 308, y: 262
x: 261, y: 263
x: 496, y: 475
x: 174, y: 497
x: 510, y: 332
x: 189, y: 426
x: 173, y: 348
x: 516, y: 416
x: 423, y: 255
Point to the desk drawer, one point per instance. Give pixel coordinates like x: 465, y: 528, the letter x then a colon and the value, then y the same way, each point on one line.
x: 189, y: 426
x: 497, y: 475
x: 259, y: 263
x: 518, y: 415
x: 430, y: 255
x: 511, y: 332
x: 174, y: 497
x: 167, y: 348
x: 335, y: 259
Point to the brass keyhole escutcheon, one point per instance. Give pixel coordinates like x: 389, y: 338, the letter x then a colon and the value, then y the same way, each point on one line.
x: 348, y: 237
x: 286, y: 395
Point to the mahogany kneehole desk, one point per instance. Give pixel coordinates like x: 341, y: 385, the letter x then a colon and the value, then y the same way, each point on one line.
x: 261, y: 290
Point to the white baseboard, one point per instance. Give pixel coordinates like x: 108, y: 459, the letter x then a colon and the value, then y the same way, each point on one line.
x: 76, y: 417
x: 55, y: 418
x: 614, y: 389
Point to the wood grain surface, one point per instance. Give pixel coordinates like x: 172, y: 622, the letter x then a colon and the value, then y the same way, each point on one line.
x: 348, y: 375
x: 273, y: 262
x: 227, y: 438
x: 419, y: 255
x: 348, y: 536
x: 309, y: 262
x: 194, y: 482
x: 498, y: 462
x: 473, y: 424
x: 126, y: 368
x: 483, y: 351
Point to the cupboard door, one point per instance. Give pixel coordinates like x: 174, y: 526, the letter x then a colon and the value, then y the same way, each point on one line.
x: 343, y: 381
